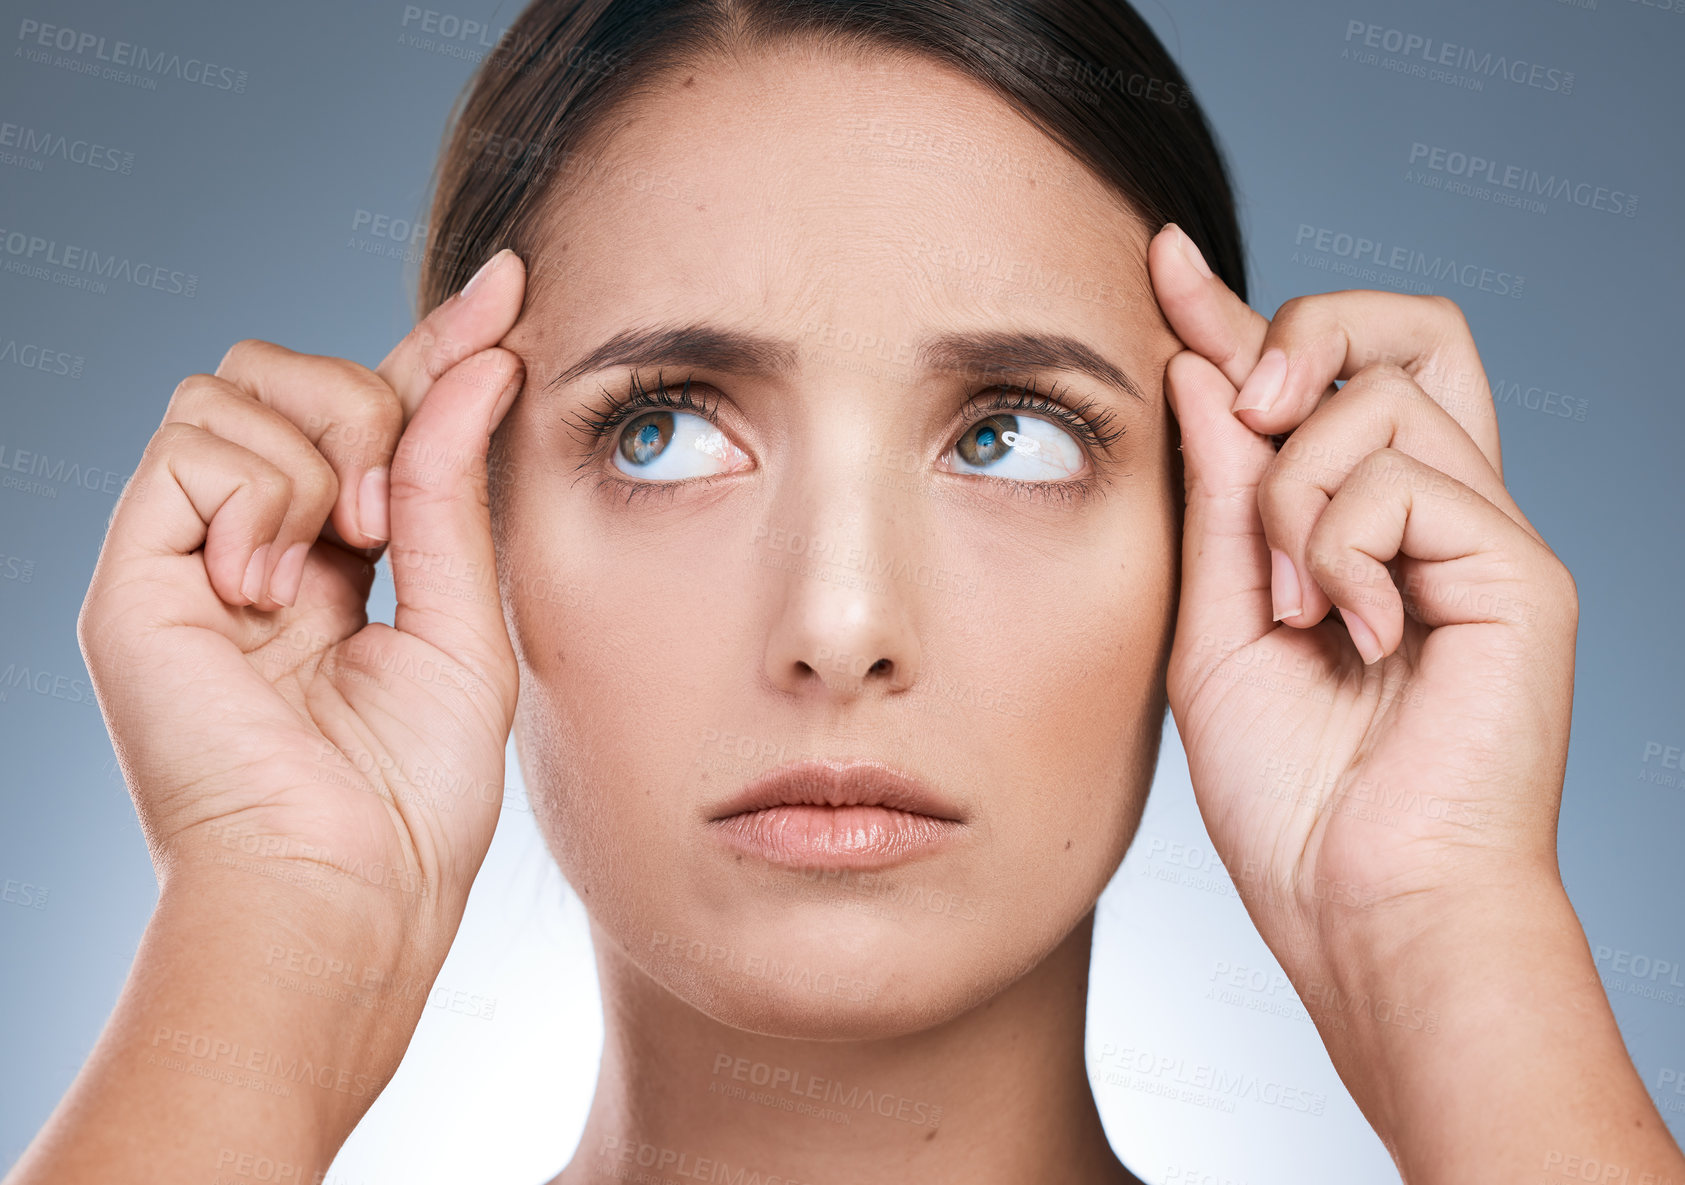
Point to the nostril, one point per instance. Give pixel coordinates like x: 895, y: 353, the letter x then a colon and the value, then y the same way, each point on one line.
x: 881, y: 667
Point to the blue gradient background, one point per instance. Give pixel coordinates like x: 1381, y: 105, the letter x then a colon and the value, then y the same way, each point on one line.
x: 256, y: 194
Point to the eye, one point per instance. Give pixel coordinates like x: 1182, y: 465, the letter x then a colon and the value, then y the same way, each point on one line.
x: 674, y: 445
x: 1020, y: 448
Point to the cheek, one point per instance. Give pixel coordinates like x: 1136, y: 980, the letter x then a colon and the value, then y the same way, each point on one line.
x: 629, y: 678
x: 1071, y: 642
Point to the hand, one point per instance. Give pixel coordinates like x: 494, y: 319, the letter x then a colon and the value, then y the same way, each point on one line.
x: 1360, y: 770
x: 267, y: 730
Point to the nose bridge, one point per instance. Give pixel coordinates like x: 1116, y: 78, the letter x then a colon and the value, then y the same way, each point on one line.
x: 839, y: 545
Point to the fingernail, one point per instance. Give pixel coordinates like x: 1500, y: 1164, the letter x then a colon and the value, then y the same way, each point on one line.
x: 289, y: 573
x: 486, y: 269
x: 1284, y: 585
x: 1368, y: 645
x: 373, y: 493
x: 251, y: 584
x: 1191, y: 253
x: 1264, y: 383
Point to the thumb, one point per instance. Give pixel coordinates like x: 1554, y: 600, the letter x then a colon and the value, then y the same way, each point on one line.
x: 443, y: 563
x: 1225, y: 600
x: 1203, y: 311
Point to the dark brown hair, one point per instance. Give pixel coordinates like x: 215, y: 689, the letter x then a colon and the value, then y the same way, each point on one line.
x: 1089, y: 73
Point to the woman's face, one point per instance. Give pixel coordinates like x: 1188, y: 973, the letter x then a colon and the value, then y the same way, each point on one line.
x: 847, y: 561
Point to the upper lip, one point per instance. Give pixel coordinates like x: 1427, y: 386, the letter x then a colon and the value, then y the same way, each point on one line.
x: 840, y: 783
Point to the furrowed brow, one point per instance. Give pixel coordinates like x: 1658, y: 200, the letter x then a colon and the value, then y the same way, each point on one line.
x: 1002, y: 353
x: 731, y: 351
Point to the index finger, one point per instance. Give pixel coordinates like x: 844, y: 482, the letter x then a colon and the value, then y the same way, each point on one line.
x: 475, y: 319
x: 1314, y: 340
x: 1283, y: 367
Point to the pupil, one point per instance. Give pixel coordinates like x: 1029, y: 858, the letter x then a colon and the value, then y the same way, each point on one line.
x: 647, y: 437
x: 985, y: 444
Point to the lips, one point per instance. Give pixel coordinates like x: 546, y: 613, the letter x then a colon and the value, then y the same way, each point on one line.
x: 855, y: 814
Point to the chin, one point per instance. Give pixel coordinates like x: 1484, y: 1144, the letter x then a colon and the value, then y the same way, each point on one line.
x: 834, y: 962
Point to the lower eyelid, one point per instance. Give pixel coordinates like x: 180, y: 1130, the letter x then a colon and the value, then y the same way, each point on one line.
x: 627, y: 490
x: 1064, y: 492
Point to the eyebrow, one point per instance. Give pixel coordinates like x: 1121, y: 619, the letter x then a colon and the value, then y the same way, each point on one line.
x: 990, y: 353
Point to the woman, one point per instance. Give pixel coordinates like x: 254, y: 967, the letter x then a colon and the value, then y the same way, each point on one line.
x: 890, y: 457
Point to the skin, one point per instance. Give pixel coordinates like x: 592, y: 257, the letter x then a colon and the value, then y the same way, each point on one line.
x: 280, y: 749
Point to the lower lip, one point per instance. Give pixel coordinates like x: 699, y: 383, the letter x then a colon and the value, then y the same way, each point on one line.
x: 836, y: 836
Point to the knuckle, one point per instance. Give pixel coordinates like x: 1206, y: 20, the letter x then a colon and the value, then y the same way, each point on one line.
x: 367, y: 416
x: 313, y: 479
x: 194, y: 391
x: 1386, y: 379
x: 244, y: 352
x: 1270, y: 487
x: 87, y: 621
x: 1308, y: 313
x: 272, y: 484
x: 381, y: 414
x: 1179, y: 369
x: 1381, y: 464
x: 172, y: 436
x: 1446, y: 309
x: 1324, y: 558
x: 1562, y: 589
x: 510, y: 365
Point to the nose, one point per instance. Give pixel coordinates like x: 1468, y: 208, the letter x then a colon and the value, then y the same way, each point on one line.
x: 844, y: 610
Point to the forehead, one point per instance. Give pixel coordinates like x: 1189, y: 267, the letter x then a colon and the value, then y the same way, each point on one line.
x: 804, y: 192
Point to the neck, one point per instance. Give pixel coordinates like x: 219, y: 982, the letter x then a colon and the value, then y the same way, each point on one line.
x: 997, y: 1094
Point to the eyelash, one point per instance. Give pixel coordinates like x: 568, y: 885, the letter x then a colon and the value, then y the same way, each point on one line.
x: 1084, y: 417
